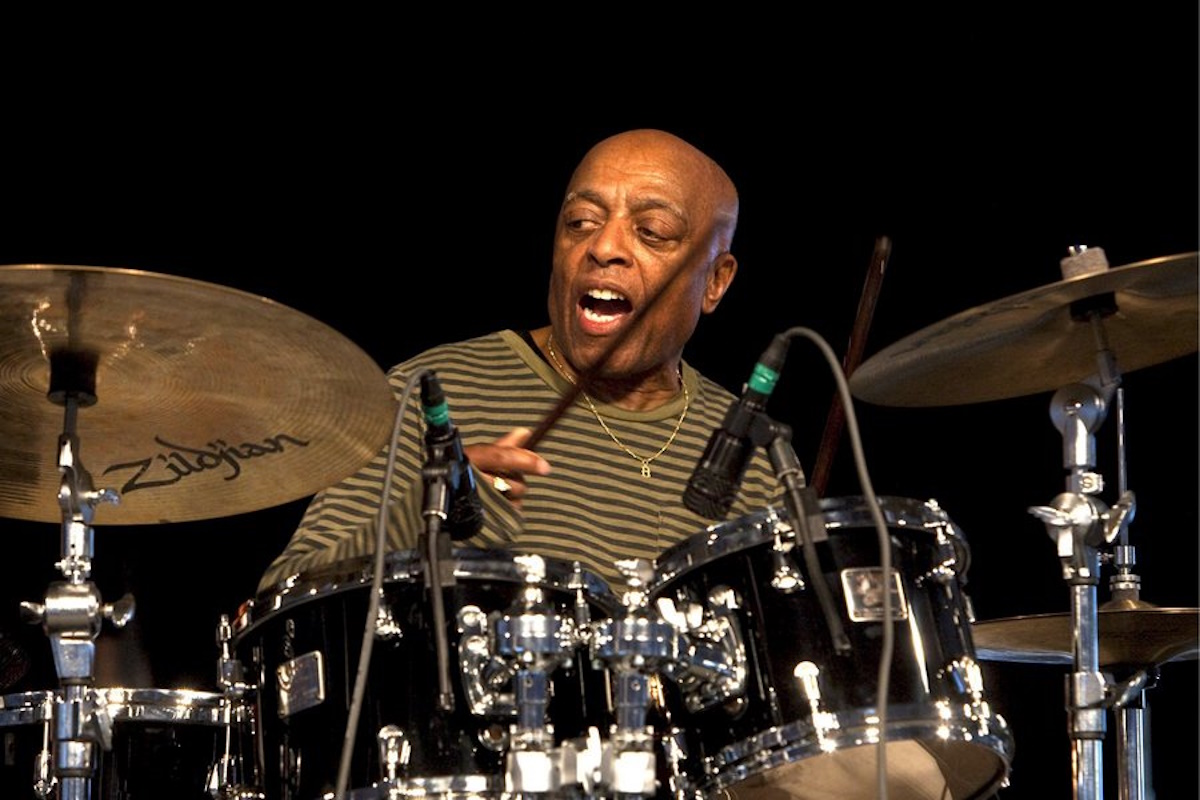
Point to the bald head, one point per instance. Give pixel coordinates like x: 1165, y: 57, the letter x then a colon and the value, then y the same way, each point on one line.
x: 641, y: 252
x: 701, y: 178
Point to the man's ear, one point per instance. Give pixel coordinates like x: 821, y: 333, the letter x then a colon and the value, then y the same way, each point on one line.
x: 719, y: 279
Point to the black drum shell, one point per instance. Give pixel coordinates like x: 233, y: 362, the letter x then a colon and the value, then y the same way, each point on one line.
x: 165, y: 742
x: 325, y: 611
x: 748, y: 739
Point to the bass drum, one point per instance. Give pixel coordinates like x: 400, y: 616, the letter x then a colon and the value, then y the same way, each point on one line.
x: 165, y: 743
x: 301, y: 648
x: 793, y: 715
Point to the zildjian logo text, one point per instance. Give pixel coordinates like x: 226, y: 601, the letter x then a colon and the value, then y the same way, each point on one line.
x: 177, y: 461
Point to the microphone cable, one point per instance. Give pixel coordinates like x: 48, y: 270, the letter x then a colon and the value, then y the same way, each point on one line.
x: 887, y: 645
x: 380, y: 559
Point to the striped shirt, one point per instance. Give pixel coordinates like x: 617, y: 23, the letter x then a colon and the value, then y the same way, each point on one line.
x: 594, y: 508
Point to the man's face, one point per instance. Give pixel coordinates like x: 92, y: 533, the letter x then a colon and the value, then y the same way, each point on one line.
x: 638, y: 221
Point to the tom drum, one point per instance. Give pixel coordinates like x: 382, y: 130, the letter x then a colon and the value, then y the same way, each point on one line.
x: 789, y: 712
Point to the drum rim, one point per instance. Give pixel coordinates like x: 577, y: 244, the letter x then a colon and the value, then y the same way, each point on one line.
x: 851, y: 511
x: 32, y: 707
x: 445, y: 787
x: 794, y: 742
x: 128, y: 704
x: 404, y: 566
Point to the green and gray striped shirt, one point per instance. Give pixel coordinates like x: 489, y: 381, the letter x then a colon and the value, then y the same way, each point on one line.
x: 594, y: 508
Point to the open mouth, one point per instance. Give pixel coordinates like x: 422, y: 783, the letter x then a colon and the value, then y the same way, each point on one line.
x: 604, y: 305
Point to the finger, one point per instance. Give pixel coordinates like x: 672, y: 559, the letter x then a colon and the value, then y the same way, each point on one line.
x: 506, y: 457
x: 511, y: 488
x: 530, y: 461
x: 515, y: 438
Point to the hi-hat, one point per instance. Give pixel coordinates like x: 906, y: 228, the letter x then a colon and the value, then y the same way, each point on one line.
x: 1142, y: 636
x: 195, y: 400
x: 1031, y: 342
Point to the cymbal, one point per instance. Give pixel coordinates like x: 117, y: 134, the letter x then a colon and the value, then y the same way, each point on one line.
x: 1143, y: 636
x: 208, y: 401
x: 1029, y: 342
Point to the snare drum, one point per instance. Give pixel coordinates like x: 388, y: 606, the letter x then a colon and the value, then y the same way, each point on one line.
x: 165, y: 743
x: 789, y: 712
x: 301, y: 647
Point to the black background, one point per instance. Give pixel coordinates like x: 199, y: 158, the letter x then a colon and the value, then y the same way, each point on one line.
x: 406, y: 202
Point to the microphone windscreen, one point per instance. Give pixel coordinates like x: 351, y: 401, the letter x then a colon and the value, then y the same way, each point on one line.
x: 709, y: 495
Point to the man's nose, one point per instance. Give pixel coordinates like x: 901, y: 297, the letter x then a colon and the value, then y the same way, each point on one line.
x: 611, y: 245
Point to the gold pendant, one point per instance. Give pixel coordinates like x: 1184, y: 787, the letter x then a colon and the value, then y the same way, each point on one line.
x: 645, y: 469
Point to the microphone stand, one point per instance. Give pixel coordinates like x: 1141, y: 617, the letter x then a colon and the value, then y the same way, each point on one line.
x: 438, y: 485
x: 804, y: 508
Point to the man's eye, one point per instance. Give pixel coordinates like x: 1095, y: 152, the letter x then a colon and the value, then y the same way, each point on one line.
x: 580, y: 223
x: 651, y: 235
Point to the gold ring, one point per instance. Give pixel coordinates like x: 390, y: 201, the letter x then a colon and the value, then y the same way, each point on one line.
x: 502, y: 486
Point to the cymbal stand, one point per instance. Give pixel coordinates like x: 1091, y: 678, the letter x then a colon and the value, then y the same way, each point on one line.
x: 72, y: 612
x: 1074, y: 520
x: 1080, y: 524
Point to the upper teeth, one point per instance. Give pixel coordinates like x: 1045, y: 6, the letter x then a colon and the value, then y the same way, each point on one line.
x: 605, y: 294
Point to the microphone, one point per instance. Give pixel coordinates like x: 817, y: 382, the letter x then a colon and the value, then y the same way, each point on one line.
x: 715, y: 481
x: 464, y: 517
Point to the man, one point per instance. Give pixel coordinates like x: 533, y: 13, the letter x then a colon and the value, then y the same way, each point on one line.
x: 642, y: 251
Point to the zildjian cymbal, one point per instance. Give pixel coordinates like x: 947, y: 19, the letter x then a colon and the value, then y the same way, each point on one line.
x: 1038, y: 341
x: 1142, y: 636
x: 192, y: 400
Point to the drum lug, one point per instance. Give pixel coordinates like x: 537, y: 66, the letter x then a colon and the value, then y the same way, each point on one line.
x: 967, y: 677
x: 674, y: 743
x: 823, y: 722
x: 969, y: 608
x: 394, y: 752
x: 481, y: 671
x: 386, y: 627
x: 785, y: 577
x: 942, y: 574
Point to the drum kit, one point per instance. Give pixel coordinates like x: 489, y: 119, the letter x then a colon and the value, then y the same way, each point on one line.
x: 199, y: 401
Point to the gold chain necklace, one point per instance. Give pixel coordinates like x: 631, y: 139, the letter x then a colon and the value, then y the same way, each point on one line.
x: 645, y: 462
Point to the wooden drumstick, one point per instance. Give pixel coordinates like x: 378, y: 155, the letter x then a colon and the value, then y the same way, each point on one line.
x: 854, y: 352
x: 584, y: 378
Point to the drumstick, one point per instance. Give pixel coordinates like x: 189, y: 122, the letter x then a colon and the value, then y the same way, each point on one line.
x: 854, y: 352
x: 585, y: 377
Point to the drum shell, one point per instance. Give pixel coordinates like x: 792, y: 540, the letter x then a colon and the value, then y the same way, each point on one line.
x: 325, y: 612
x: 165, y: 742
x: 749, y: 739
